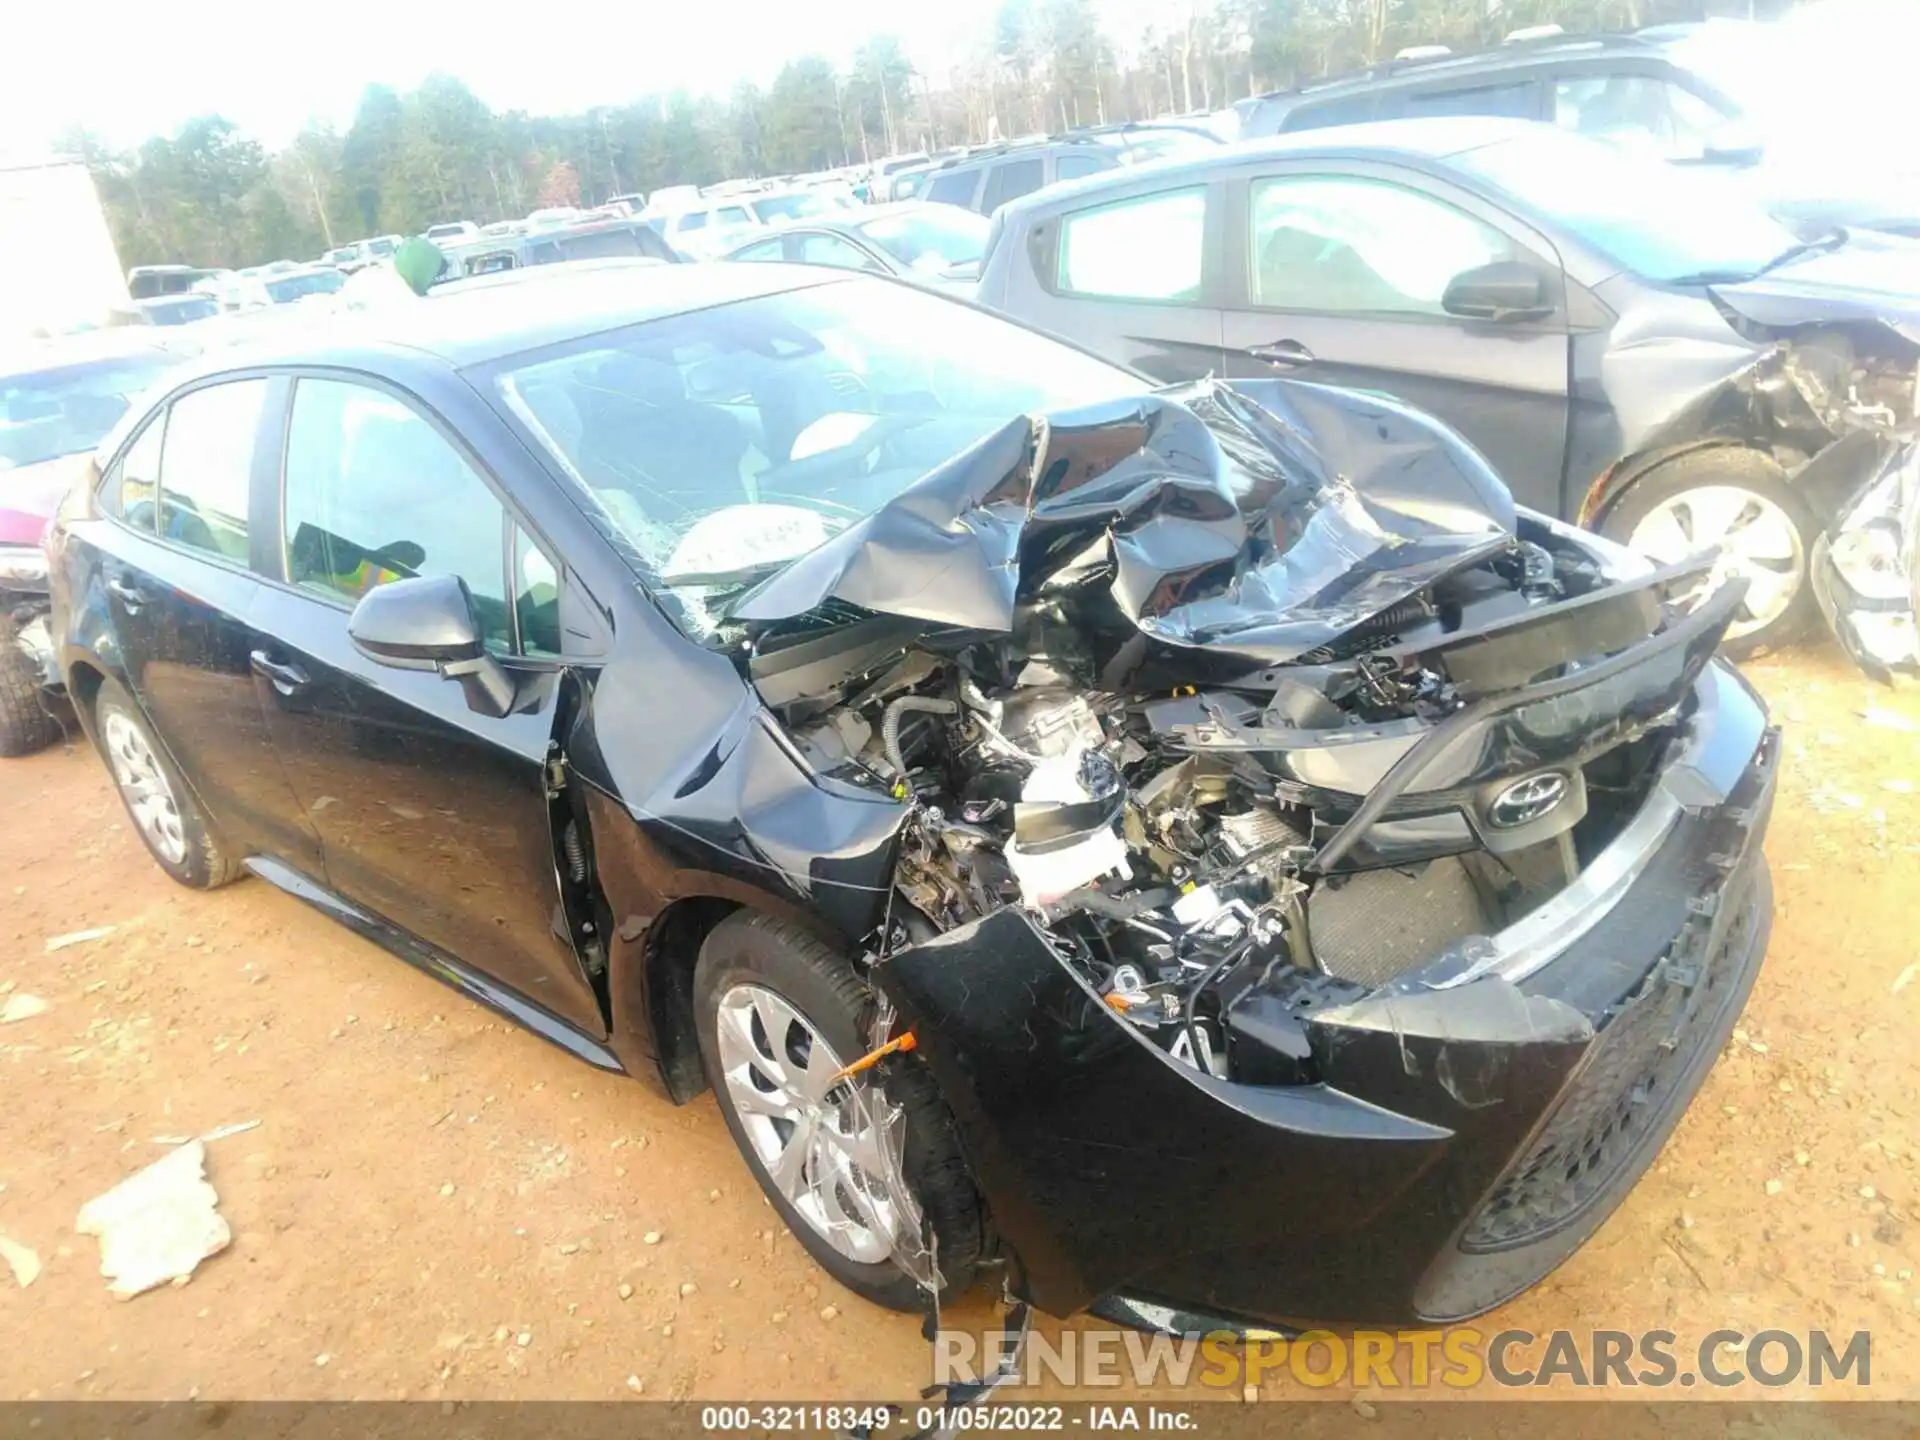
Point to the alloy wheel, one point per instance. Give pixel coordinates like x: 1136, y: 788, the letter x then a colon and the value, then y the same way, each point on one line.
x: 829, y: 1147
x: 136, y: 770
x: 1757, y: 539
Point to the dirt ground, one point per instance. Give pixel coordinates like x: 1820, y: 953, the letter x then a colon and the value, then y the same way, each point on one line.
x: 435, y: 1204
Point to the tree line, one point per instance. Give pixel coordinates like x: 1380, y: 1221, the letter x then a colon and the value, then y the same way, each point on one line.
x: 209, y: 195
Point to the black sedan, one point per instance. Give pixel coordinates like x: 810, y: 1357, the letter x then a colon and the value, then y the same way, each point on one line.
x: 1633, y: 346
x: 1205, y: 846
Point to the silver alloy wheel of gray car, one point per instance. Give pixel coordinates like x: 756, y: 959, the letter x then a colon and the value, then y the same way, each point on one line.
x: 136, y: 770
x: 1757, y: 539
x: 830, y: 1157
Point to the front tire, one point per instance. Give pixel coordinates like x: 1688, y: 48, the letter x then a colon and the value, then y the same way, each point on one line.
x: 168, y: 820
x: 778, y: 1011
x: 26, y: 724
x: 1739, y: 499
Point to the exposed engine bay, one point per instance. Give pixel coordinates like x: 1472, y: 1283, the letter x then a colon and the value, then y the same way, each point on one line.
x: 1234, y: 781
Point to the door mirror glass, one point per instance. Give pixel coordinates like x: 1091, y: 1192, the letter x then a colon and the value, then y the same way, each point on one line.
x: 1505, y: 290
x: 427, y: 623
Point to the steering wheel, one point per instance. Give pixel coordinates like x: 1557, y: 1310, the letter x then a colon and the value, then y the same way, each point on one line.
x: 795, y: 477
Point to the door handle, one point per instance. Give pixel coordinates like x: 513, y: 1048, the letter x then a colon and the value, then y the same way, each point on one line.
x: 126, y: 592
x: 286, y: 678
x: 1282, y: 352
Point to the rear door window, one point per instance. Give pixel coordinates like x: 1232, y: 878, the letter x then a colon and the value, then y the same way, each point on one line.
x: 375, y: 493
x: 601, y: 245
x: 1011, y: 179
x: 1072, y: 167
x: 1518, y: 100
x: 206, y: 467
x: 1150, y: 248
x: 1318, y: 116
x: 954, y: 189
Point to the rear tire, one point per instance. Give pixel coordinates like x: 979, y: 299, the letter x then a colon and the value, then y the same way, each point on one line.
x: 166, y: 817
x: 1741, y: 493
x: 755, y: 967
x: 26, y: 722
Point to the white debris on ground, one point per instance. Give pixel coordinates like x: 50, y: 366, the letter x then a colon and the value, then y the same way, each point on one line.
x: 158, y: 1224
x: 80, y: 937
x: 21, y: 1260
x: 22, y: 1006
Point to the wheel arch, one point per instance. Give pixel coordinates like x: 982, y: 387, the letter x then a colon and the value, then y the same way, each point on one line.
x: 1612, y: 484
x: 84, y: 679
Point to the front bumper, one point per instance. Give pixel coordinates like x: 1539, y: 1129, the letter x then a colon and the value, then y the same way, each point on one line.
x: 32, y: 635
x: 1876, y: 540
x: 1472, y: 1123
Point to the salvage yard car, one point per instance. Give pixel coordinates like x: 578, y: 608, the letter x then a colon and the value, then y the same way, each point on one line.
x: 1202, y: 847
x: 938, y: 245
x: 58, y: 400
x: 1631, y: 346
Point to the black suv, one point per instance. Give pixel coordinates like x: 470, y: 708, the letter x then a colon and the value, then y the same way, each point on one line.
x: 1683, y: 92
x: 1623, y: 87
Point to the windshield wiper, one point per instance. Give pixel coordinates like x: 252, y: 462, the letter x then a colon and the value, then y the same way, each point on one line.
x: 1787, y: 256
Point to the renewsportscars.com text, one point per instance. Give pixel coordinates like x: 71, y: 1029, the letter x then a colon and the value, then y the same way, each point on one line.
x: 1460, y: 1358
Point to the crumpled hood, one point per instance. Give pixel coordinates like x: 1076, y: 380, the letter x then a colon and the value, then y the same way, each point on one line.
x: 29, y: 495
x: 1871, y: 277
x: 1260, y: 520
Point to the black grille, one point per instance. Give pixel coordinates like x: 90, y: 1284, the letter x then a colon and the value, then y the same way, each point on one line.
x: 1624, y: 1089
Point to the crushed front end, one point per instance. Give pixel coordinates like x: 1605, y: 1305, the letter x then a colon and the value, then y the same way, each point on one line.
x: 1866, y: 568
x: 1320, y: 887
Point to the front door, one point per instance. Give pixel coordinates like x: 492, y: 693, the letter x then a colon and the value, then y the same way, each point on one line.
x: 1340, y: 280
x: 179, y: 590
x: 430, y: 815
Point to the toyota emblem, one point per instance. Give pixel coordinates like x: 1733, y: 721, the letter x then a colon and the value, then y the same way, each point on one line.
x: 1526, y: 801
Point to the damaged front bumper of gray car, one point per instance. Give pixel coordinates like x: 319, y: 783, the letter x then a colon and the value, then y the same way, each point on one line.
x: 1866, y: 568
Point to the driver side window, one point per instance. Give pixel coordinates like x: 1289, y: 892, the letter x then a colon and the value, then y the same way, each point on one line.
x: 1334, y: 245
x: 375, y: 493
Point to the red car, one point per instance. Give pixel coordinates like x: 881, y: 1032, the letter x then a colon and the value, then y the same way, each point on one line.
x: 58, y: 399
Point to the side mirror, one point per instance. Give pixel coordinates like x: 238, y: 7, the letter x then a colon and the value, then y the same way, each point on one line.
x: 427, y: 623
x: 1504, y: 291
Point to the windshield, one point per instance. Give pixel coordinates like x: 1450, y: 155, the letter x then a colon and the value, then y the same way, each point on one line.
x: 293, y: 287
x: 769, y: 424
x: 789, y: 207
x: 68, y: 411
x: 932, y: 239
x: 1663, y: 222
x: 380, y: 247
x: 182, y: 311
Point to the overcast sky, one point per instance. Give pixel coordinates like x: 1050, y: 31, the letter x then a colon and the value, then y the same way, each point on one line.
x: 128, y: 70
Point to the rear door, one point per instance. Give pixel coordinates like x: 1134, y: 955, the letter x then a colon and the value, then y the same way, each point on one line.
x: 955, y: 187
x: 179, y: 589
x: 1009, y: 179
x: 1338, y: 276
x: 429, y: 814
x: 1135, y: 278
